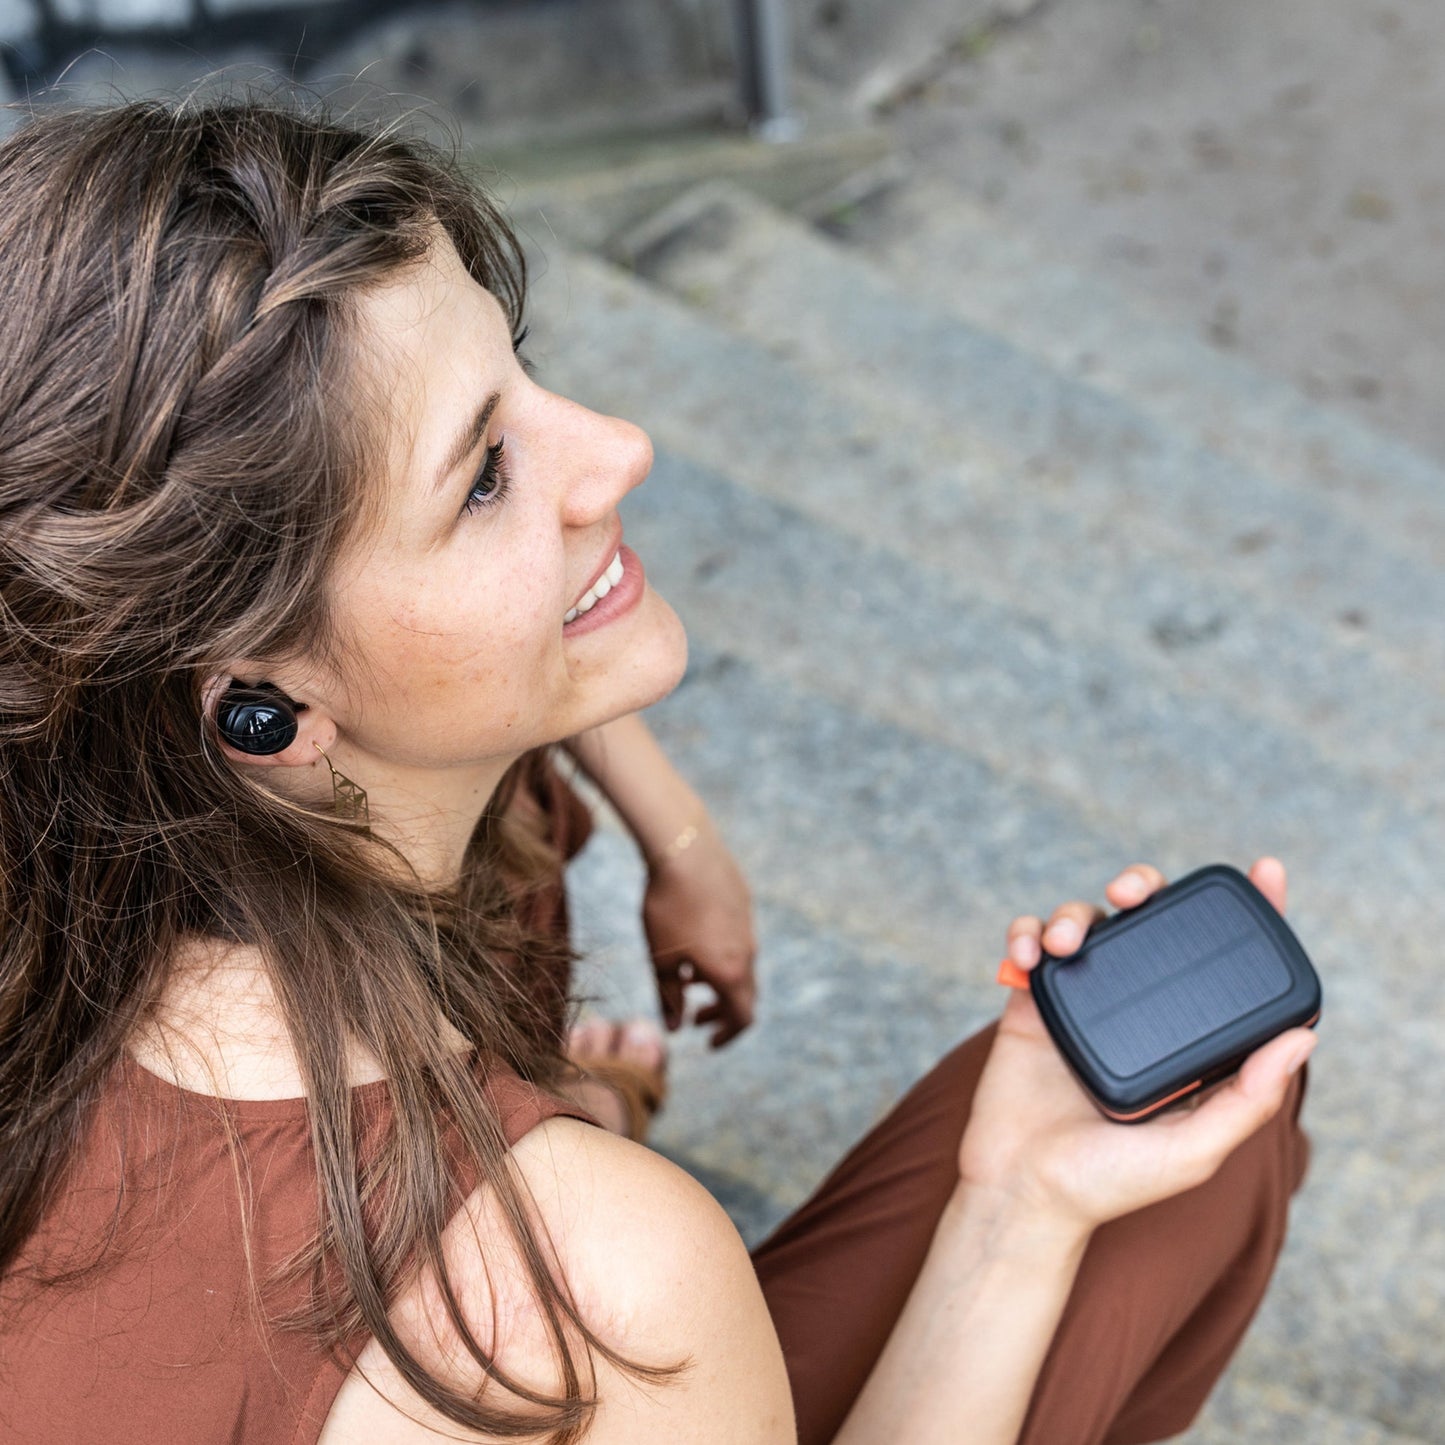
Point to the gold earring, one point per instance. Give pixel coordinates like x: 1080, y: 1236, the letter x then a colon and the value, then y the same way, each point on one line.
x: 348, y: 798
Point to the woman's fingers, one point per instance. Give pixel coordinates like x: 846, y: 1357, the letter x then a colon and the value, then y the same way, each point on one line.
x: 1268, y: 876
x: 670, y: 990
x: 1067, y: 926
x: 1023, y: 940
x: 1136, y: 883
x: 1202, y: 1140
x: 729, y: 1017
x: 1030, y: 937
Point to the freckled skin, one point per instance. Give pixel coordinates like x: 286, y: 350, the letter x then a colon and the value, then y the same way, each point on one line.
x: 457, y: 662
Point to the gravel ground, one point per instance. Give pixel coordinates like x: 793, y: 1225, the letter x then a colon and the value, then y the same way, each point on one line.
x: 1271, y: 175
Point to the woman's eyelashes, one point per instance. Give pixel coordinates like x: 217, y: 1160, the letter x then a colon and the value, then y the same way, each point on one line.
x: 492, y: 482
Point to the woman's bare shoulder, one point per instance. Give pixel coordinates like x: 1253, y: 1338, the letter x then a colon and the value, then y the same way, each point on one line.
x: 655, y: 1268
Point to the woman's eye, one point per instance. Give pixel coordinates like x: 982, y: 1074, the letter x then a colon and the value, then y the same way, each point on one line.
x: 491, y: 484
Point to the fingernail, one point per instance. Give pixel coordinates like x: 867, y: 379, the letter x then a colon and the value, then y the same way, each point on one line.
x: 1023, y: 950
x: 1131, y: 885
x: 1063, y: 938
x: 1297, y: 1060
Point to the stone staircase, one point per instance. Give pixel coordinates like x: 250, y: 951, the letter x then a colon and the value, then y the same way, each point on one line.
x: 995, y: 583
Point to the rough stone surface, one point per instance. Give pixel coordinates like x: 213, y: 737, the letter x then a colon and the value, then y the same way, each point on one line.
x: 1146, y: 765
x: 525, y: 62
x: 872, y: 50
x: 1264, y: 174
x: 1012, y: 282
x: 1247, y: 1411
x: 817, y: 1069
x: 883, y: 349
x: 760, y: 1144
x: 800, y: 588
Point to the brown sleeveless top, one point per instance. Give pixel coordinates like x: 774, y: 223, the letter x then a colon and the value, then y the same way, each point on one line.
x: 160, y: 1345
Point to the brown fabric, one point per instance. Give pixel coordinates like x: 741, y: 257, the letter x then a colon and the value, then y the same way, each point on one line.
x: 1160, y: 1303
x: 160, y: 1342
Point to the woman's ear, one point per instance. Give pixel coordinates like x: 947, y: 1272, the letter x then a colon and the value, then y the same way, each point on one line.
x: 254, y: 716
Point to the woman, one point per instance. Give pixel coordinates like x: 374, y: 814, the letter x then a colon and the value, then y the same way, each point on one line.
x: 296, y: 559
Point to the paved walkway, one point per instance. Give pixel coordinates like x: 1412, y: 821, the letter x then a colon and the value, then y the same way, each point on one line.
x: 1269, y: 176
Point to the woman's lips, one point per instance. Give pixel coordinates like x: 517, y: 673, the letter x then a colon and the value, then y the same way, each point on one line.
x: 622, y: 598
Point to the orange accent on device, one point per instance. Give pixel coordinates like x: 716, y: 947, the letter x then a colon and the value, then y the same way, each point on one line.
x: 1010, y: 975
x: 1153, y: 1108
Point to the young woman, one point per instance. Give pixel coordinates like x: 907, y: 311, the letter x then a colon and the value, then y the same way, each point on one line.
x: 296, y: 562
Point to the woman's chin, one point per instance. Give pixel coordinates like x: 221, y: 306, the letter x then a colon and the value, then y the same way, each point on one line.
x: 657, y: 669
x: 639, y: 674
x: 678, y: 647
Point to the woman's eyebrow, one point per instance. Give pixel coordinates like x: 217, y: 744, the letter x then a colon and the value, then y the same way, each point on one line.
x: 466, y: 440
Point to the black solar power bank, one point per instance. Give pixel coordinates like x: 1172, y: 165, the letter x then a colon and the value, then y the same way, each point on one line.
x: 1172, y: 996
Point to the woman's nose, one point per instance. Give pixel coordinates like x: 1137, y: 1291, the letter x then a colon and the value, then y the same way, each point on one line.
x: 609, y: 456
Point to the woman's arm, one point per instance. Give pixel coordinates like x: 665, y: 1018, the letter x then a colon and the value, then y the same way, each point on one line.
x: 962, y: 1360
x: 697, y: 911
x: 655, y: 1268
x: 652, y: 798
x: 1039, y: 1169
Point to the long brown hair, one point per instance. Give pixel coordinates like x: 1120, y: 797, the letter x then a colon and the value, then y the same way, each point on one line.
x: 180, y: 459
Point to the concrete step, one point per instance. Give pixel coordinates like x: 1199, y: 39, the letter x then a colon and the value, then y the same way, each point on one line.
x: 881, y: 53
x: 914, y: 715
x: 1352, y: 1323
x: 732, y: 405
x: 905, y: 364
x: 843, y: 1031
x: 917, y: 741
x: 1246, y: 1410
x: 592, y: 183
x: 939, y: 243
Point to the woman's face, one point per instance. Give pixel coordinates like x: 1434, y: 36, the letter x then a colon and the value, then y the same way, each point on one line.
x: 498, y: 522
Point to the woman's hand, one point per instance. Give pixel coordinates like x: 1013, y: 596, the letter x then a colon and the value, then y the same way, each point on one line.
x: 698, y: 917
x: 1036, y: 1142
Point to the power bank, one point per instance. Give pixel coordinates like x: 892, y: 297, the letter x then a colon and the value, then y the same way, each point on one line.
x: 1167, y: 998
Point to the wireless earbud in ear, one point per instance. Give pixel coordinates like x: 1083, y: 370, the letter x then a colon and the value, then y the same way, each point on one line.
x: 257, y: 718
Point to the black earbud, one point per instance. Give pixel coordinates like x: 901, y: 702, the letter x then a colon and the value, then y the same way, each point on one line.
x: 257, y: 718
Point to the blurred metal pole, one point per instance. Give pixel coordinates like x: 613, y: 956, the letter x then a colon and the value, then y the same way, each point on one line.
x: 763, y: 64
